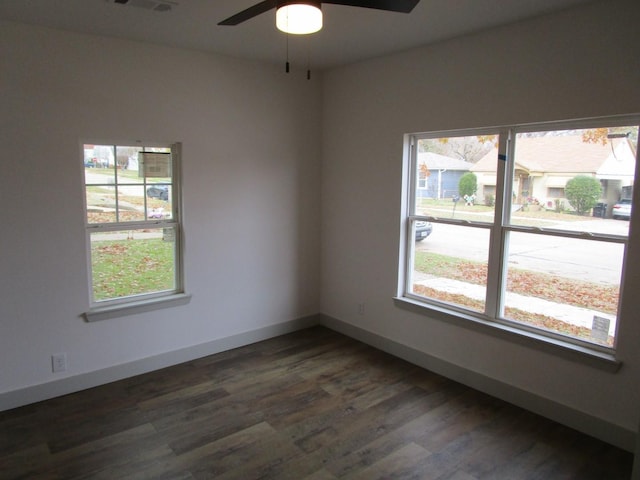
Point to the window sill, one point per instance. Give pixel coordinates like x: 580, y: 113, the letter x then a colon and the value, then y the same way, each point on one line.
x: 601, y: 360
x: 141, y: 306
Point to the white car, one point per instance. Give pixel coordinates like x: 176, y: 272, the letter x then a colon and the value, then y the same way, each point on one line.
x: 622, y: 209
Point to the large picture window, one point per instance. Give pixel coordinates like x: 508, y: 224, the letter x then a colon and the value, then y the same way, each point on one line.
x: 528, y: 226
x: 132, y: 222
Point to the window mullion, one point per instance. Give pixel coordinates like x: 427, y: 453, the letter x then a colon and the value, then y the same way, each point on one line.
x: 139, y: 225
x: 498, y: 242
x: 145, y: 200
x: 413, y: 174
x: 176, y: 212
x: 411, y: 212
x: 116, y: 182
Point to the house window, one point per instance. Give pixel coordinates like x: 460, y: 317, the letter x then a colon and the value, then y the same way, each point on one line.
x: 519, y: 262
x: 555, y: 192
x: 132, y: 222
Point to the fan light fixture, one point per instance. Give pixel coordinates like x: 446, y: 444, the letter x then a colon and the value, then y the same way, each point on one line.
x: 300, y: 18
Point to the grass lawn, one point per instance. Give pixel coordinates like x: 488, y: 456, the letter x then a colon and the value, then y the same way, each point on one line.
x: 131, y: 267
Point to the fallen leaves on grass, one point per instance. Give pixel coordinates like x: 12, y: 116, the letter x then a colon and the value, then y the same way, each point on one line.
x: 579, y: 293
x: 112, y: 249
x: 603, y: 298
x: 536, y: 320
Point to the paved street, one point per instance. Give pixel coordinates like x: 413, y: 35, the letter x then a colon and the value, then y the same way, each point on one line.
x: 581, y: 259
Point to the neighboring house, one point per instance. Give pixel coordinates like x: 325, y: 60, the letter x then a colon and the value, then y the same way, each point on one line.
x: 545, y: 164
x: 439, y: 175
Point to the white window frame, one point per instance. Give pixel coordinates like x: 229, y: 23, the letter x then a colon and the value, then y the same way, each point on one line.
x: 490, y: 321
x: 139, y: 303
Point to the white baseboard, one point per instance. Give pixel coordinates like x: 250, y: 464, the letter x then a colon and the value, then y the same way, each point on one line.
x: 588, y: 424
x: 64, y: 386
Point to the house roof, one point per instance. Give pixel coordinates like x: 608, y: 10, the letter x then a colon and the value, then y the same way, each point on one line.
x: 435, y: 161
x: 559, y: 154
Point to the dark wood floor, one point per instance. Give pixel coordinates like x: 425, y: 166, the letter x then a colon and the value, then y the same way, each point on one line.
x: 312, y: 405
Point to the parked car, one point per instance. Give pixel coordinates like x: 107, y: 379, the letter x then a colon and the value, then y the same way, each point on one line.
x: 622, y: 209
x: 158, y: 191
x: 423, y: 230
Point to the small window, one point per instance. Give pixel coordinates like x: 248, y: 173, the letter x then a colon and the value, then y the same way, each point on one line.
x: 554, y: 193
x: 132, y: 222
x: 523, y: 230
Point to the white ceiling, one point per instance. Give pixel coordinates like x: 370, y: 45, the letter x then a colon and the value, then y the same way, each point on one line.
x: 350, y: 34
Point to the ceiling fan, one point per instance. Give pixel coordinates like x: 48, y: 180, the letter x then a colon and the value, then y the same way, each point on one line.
x: 289, y: 13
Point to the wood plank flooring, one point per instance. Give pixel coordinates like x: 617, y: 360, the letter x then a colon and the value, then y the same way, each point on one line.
x: 312, y: 405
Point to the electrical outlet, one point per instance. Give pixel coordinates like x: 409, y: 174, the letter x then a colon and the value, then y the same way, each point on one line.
x: 361, y: 309
x: 59, y: 362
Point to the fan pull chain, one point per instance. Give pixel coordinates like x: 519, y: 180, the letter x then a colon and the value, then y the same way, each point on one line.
x: 308, y: 62
x: 287, y: 66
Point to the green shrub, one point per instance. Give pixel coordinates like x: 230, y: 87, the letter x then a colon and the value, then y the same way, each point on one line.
x: 468, y: 184
x: 489, y: 200
x: 583, y: 192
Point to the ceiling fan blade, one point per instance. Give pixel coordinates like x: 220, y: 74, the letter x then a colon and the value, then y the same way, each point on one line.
x: 402, y: 6
x: 250, y: 12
